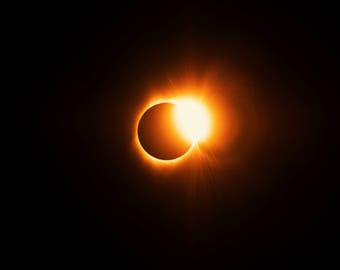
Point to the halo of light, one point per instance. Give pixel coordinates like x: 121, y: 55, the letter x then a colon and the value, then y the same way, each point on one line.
x: 189, y: 111
x: 158, y: 132
x: 217, y: 98
x: 145, y: 155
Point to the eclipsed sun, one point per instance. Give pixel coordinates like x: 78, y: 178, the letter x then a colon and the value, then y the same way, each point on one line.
x: 168, y: 130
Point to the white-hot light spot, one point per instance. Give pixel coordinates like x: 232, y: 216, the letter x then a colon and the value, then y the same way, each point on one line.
x: 193, y: 120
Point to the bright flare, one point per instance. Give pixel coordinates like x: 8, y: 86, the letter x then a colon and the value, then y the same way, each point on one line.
x: 193, y: 120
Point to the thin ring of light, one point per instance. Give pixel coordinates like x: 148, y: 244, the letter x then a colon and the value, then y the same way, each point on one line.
x: 140, y: 148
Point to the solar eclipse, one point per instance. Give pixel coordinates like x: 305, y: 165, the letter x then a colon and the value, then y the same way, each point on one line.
x: 169, y: 130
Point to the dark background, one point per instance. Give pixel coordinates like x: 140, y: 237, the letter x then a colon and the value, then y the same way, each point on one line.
x: 93, y: 198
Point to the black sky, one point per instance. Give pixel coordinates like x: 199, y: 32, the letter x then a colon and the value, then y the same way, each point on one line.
x: 93, y: 66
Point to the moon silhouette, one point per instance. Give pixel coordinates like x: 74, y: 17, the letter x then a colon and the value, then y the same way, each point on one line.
x: 158, y: 134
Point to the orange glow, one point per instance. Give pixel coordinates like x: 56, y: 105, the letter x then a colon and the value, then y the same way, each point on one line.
x: 204, y: 117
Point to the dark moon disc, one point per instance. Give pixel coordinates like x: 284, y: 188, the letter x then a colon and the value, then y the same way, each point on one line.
x: 158, y: 134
